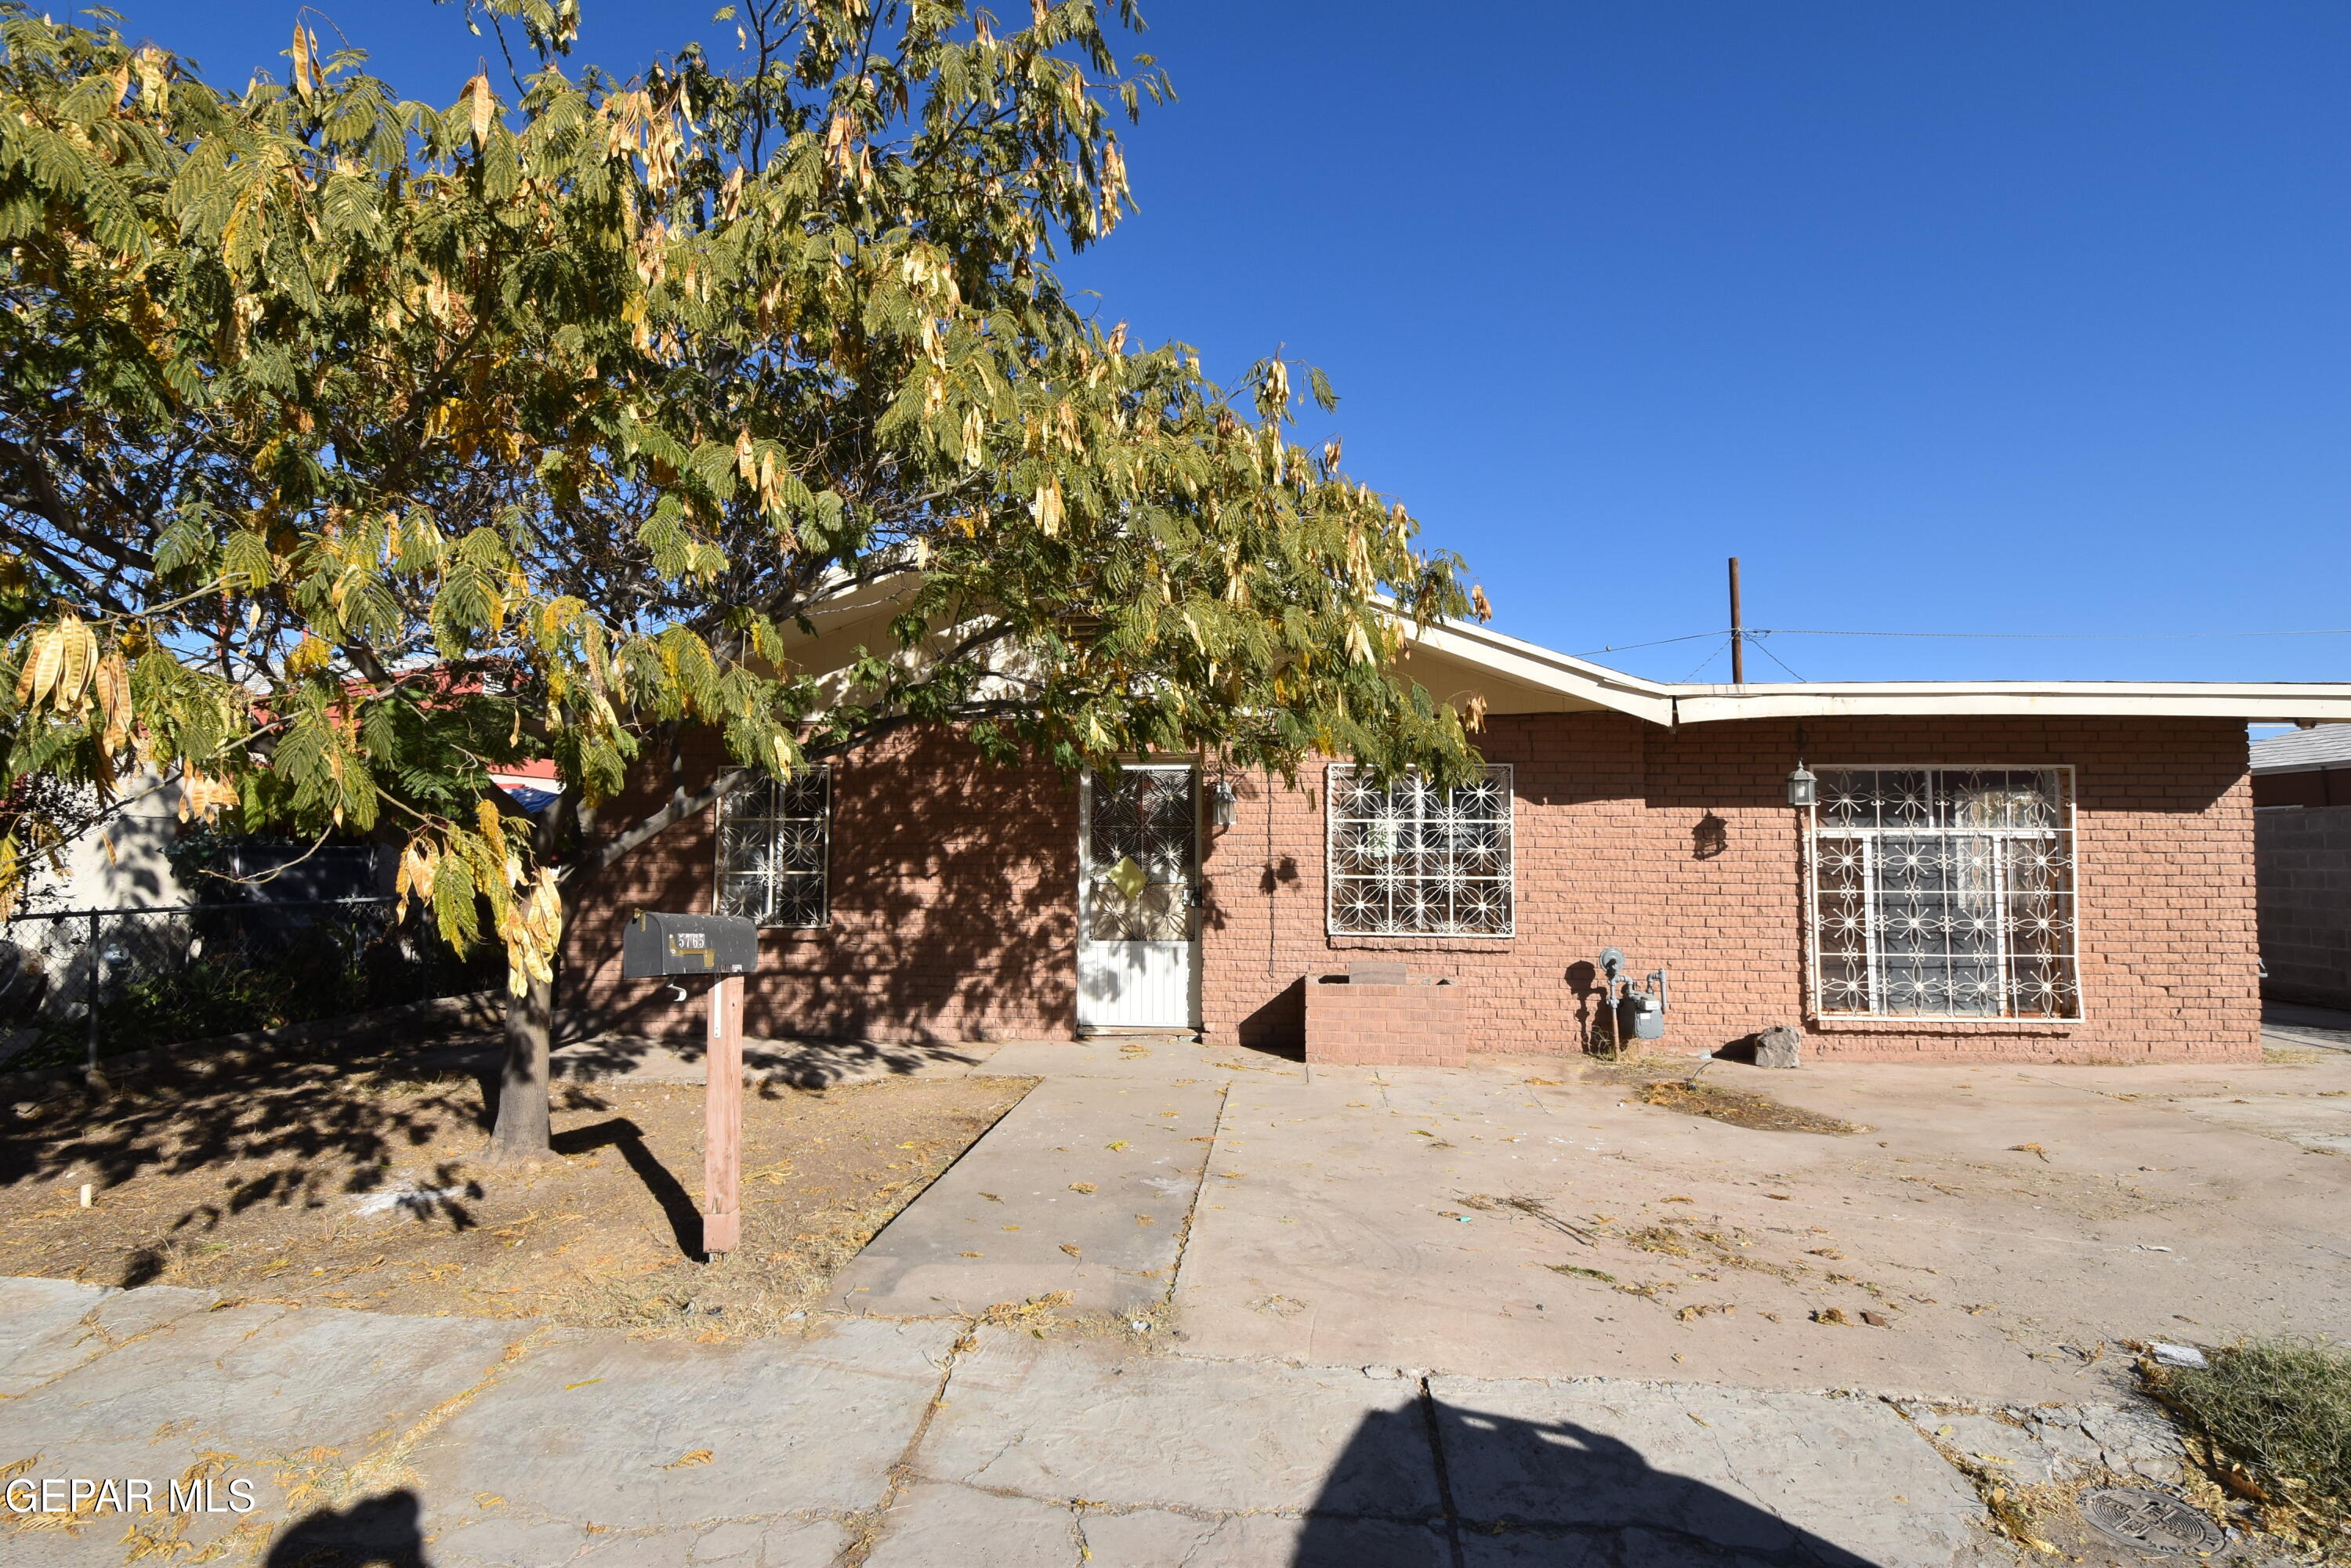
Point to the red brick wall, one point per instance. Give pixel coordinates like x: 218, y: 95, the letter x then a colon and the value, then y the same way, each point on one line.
x: 953, y: 895
x: 1679, y: 848
x: 953, y: 885
x: 1367, y: 1025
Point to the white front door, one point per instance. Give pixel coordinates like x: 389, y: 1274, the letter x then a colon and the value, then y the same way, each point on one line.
x: 1138, y: 864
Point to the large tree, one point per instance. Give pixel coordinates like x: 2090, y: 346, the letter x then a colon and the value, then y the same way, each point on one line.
x: 369, y: 443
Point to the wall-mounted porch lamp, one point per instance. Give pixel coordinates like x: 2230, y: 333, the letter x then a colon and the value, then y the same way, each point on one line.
x: 1220, y: 804
x: 1804, y: 790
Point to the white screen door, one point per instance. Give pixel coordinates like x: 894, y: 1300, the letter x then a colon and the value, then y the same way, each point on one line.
x: 1138, y: 858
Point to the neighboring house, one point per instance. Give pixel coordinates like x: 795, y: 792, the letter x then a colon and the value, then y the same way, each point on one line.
x: 125, y: 861
x: 532, y: 785
x: 1995, y: 871
x: 2301, y: 835
x: 2303, y: 767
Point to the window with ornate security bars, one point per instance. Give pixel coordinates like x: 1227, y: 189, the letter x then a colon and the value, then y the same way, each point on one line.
x: 1409, y: 860
x: 1944, y: 893
x: 775, y: 841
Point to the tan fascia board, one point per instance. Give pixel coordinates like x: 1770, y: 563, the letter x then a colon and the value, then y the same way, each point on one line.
x: 1583, y: 685
x: 2269, y: 701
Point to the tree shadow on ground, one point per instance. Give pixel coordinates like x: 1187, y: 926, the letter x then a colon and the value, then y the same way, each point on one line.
x: 1516, y: 1492
x: 677, y: 1204
x: 378, y: 1532
x: 288, y: 1134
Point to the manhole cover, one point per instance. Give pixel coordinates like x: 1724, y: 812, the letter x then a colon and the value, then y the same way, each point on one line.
x: 2151, y: 1521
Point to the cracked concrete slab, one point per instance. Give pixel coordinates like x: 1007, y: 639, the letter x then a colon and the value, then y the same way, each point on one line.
x: 2032, y: 1445
x: 1084, y: 1187
x: 938, y: 1524
x: 41, y: 1330
x: 275, y: 1398
x: 1071, y: 1419
x: 935, y: 1524
x: 1725, y: 1472
x: 604, y: 1430
x: 543, y: 1543
x: 46, y: 1338
x: 1150, y: 1539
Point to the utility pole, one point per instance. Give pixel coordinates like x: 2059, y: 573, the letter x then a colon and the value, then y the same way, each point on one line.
x: 1738, y: 632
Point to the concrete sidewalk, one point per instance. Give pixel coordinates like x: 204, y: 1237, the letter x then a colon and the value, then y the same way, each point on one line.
x: 931, y: 1444
x: 1084, y: 1186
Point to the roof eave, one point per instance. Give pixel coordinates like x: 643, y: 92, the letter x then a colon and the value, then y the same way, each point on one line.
x: 2268, y: 703
x: 1581, y: 682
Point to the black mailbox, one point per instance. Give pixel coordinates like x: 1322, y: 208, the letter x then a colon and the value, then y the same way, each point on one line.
x: 661, y: 947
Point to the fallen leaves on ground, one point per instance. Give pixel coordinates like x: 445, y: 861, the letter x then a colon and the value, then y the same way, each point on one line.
x: 1754, y: 1112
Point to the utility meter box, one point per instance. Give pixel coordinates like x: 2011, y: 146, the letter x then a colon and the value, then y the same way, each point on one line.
x: 667, y: 946
x: 1641, y: 1016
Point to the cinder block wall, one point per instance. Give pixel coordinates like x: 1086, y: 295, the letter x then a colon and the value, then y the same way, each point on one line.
x: 2304, y: 857
x: 1679, y: 848
x: 953, y: 907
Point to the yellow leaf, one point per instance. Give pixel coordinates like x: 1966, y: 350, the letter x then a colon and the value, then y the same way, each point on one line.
x: 696, y: 1457
x: 308, y: 655
x: 77, y: 658
x: 1047, y: 507
x: 484, y: 106
x: 42, y: 656
x: 114, y: 702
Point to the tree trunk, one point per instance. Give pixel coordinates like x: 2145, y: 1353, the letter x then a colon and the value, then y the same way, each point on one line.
x: 523, y: 1128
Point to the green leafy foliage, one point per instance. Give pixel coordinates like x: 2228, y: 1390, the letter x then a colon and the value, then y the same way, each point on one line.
x: 363, y: 444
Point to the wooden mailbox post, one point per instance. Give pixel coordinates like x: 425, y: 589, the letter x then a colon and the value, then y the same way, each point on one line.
x: 722, y: 1120
x: 725, y: 948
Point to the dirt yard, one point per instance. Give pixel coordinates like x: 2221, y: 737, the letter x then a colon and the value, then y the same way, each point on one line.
x: 360, y: 1189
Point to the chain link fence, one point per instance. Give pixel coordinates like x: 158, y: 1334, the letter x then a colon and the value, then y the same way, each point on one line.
x: 82, y: 985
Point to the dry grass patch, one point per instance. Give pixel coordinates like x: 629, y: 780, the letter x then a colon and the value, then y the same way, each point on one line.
x: 2270, y: 1420
x: 363, y: 1190
x: 1741, y: 1110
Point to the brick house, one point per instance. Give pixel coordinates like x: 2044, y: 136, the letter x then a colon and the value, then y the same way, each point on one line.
x: 2004, y: 871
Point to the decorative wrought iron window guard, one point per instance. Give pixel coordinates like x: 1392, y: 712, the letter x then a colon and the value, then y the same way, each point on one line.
x: 1409, y: 860
x: 774, y: 845
x: 1944, y: 893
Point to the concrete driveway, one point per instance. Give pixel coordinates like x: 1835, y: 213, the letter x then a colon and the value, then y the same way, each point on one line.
x: 1995, y: 1234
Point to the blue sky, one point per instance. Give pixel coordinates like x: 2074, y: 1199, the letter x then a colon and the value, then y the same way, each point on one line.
x: 1993, y: 317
